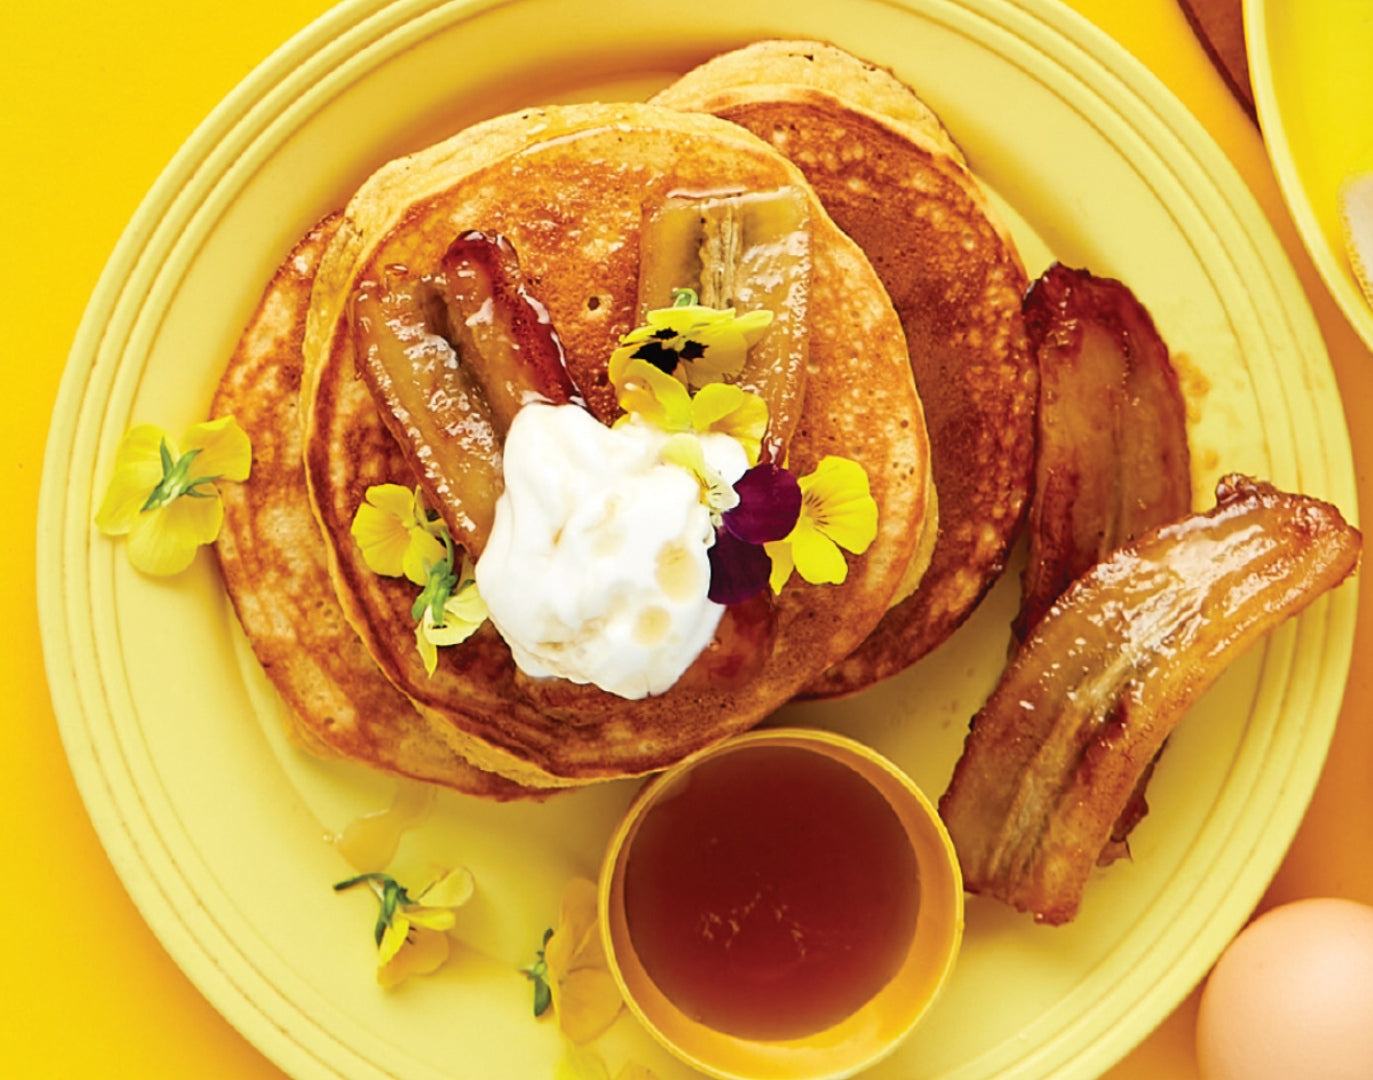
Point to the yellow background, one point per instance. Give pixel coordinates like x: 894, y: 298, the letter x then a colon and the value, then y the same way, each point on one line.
x: 96, y: 98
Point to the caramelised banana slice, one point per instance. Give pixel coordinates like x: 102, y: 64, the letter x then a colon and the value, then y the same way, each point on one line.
x: 450, y: 357
x: 1079, y: 714
x: 1113, y: 459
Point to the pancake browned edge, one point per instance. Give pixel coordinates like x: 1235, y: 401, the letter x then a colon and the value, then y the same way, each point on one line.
x: 273, y: 564
x: 568, y: 186
x: 892, y: 178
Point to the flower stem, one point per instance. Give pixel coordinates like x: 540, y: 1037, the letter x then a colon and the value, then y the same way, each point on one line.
x: 176, y: 479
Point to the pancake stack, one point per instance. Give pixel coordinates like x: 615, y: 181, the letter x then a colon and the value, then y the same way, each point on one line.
x: 569, y: 187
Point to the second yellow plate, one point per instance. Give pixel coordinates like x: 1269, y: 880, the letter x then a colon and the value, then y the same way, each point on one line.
x: 1312, y: 70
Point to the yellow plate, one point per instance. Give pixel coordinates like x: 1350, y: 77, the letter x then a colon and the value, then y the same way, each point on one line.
x: 1313, y: 89
x: 216, y: 824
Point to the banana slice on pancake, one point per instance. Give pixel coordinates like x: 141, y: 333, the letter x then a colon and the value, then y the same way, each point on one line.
x: 272, y: 560
x: 568, y: 188
x: 891, y: 177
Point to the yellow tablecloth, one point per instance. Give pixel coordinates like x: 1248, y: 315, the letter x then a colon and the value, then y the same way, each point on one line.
x: 97, y: 98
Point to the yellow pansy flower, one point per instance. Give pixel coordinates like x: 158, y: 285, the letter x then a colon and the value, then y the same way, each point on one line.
x: 646, y: 394
x: 412, y: 933
x: 166, y: 502
x: 399, y: 537
x: 837, y: 511
x: 571, y: 975
x: 463, y: 612
x: 393, y: 530
x: 707, y: 343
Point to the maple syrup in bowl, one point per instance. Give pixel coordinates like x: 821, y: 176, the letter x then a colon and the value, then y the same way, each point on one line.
x: 786, y: 905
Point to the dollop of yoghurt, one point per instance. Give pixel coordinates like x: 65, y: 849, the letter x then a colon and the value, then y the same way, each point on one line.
x: 596, y: 568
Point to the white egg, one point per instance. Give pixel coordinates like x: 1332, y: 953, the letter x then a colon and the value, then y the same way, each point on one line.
x: 1292, y: 997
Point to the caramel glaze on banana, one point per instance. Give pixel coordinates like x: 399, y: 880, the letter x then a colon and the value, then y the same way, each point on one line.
x: 1112, y: 459
x: 1052, y: 758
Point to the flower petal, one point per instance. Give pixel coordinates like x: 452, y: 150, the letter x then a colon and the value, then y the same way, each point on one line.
x: 569, y: 945
x: 431, y: 918
x: 124, y: 500
x: 732, y: 411
x: 429, y: 653
x: 452, y: 890
x: 726, y: 340
x: 424, y: 952
x: 164, y: 541
x: 738, y: 569
x: 137, y: 470
x: 383, y: 539
x: 586, y: 1003
x: 422, y: 550
x: 393, y: 938
x: 685, y: 451
x: 837, y: 498
x: 647, y: 392
x: 464, y: 612
x: 142, y: 446
x: 818, y: 558
x: 782, y: 564
x: 769, y: 504
x: 225, y: 450
x: 396, y: 500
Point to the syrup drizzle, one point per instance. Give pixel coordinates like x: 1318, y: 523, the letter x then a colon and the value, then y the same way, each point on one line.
x: 369, y: 842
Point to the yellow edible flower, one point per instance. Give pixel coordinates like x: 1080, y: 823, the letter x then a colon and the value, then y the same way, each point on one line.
x: 731, y: 411
x: 708, y: 343
x: 571, y: 975
x: 646, y: 394
x: 718, y: 495
x: 166, y: 502
x: 412, y: 933
x: 399, y: 537
x: 463, y: 612
x: 837, y: 511
x: 393, y: 529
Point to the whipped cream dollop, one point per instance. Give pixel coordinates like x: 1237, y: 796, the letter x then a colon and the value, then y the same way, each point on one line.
x: 596, y: 568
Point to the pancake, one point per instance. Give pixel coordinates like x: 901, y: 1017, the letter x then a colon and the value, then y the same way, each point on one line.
x: 274, y: 569
x: 568, y: 187
x: 892, y: 178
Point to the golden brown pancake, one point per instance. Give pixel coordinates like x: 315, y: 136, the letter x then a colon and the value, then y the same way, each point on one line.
x: 568, y: 187
x: 273, y: 563
x: 892, y: 178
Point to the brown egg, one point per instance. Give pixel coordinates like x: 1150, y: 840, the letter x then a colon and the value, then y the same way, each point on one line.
x: 1292, y: 996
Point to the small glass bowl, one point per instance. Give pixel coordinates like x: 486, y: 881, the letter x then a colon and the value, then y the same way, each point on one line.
x: 876, y: 1027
